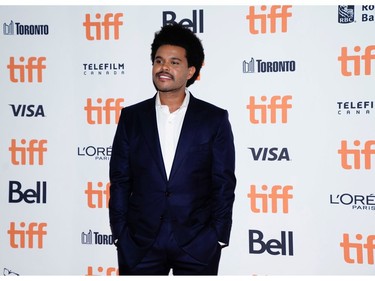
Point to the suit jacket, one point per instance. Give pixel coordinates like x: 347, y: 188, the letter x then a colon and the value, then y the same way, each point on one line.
x: 199, y: 194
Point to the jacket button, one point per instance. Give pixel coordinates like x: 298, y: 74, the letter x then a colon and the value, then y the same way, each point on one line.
x: 167, y: 194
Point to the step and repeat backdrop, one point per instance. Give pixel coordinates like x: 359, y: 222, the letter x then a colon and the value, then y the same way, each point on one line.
x: 298, y: 82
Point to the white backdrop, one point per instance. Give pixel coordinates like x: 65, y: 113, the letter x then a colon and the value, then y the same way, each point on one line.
x: 298, y: 82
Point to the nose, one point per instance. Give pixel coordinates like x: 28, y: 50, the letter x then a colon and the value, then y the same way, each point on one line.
x: 165, y: 66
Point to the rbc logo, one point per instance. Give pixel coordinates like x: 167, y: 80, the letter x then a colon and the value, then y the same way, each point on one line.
x: 346, y: 13
x: 258, y: 22
x: 110, y: 21
x: 274, y: 247
x: 196, y: 23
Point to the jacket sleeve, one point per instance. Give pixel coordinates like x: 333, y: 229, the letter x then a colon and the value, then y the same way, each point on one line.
x: 224, y: 180
x: 120, y: 181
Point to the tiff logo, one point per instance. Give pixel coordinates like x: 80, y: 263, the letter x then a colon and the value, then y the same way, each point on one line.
x: 277, y: 16
x: 18, y: 71
x: 26, y: 153
x: 91, y: 271
x: 354, y: 252
x: 351, y: 64
x: 97, y: 197
x: 355, y: 153
x: 95, y: 112
x: 18, y: 237
x: 268, y: 112
x: 96, y: 28
x: 273, y: 201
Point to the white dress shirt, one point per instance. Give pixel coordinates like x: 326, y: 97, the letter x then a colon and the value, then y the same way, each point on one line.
x: 169, y: 128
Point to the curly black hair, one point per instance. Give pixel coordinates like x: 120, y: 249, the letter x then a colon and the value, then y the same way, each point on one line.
x: 178, y: 35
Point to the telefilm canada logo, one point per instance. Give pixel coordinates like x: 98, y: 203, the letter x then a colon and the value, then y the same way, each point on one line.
x: 17, y: 28
x: 349, y: 13
x: 261, y: 66
x: 103, y: 69
x: 351, y: 108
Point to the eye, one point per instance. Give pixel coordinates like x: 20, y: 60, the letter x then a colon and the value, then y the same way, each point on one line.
x: 157, y: 61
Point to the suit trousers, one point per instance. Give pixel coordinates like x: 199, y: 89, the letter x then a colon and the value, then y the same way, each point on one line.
x: 165, y: 254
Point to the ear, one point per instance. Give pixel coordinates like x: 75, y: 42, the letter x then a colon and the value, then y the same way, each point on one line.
x: 191, y: 72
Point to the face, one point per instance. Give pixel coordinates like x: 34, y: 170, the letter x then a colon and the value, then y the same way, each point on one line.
x: 170, y: 70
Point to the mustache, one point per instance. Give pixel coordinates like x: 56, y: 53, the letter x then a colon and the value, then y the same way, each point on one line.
x: 164, y: 73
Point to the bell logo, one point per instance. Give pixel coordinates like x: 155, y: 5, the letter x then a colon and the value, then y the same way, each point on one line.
x: 18, y: 237
x: 196, y: 23
x: 274, y: 247
x: 264, y: 113
x: 98, y: 197
x: 30, y: 196
x: 26, y: 153
x: 101, y: 270
x: 356, y: 155
x: 95, y: 112
x: 355, y: 61
x: 266, y: 201
x: 34, y: 65
x: 258, y: 22
x: 94, y: 29
x: 354, y: 252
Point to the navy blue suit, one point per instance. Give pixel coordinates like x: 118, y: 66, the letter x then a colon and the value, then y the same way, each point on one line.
x: 198, y: 196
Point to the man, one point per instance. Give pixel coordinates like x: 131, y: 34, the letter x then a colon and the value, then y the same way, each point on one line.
x: 172, y: 170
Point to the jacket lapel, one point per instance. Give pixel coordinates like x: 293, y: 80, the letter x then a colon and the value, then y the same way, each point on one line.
x: 150, y: 131
x: 187, y: 134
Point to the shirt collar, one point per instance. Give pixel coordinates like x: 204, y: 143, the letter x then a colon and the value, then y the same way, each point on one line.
x: 184, y: 103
